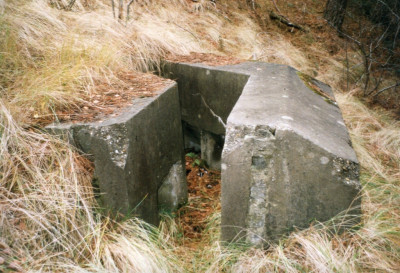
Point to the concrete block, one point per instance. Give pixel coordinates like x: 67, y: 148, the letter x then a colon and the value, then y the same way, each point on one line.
x: 136, y: 154
x: 287, y: 158
x: 173, y: 191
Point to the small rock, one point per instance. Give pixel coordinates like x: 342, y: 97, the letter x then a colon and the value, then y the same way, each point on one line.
x: 2, y: 260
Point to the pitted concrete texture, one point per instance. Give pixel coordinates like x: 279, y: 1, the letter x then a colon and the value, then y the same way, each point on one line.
x: 287, y: 158
x: 137, y: 155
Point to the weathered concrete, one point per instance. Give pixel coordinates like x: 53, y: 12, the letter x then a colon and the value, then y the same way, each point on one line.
x: 211, y: 149
x: 137, y: 155
x: 207, y: 97
x: 287, y: 158
x: 173, y: 191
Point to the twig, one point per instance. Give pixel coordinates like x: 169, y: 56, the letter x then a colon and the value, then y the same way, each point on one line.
x: 386, y: 88
x: 120, y: 9
x: 391, y: 11
x: 347, y: 66
x: 71, y: 4
x: 395, y: 37
x: 379, y: 81
x: 276, y: 6
x: 284, y: 20
x: 113, y: 8
x: 187, y: 31
x: 127, y: 9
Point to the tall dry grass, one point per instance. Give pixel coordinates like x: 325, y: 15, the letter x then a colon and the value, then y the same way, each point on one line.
x: 49, y: 218
x: 51, y: 58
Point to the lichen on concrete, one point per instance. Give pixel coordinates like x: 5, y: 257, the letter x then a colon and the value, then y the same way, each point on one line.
x: 348, y: 172
x: 117, y: 143
x: 173, y: 191
x: 304, y: 167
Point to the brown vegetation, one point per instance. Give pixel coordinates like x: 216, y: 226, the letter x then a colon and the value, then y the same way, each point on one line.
x: 55, y: 61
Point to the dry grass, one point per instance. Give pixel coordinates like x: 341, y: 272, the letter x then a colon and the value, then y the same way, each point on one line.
x: 50, y: 58
x: 49, y: 217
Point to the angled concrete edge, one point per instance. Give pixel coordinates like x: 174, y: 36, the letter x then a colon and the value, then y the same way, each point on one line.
x: 138, y: 156
x: 287, y: 158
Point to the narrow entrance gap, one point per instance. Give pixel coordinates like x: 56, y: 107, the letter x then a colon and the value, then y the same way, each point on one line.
x: 204, y: 186
x: 206, y: 97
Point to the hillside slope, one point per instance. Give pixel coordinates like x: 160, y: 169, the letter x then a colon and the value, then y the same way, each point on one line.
x: 57, y: 59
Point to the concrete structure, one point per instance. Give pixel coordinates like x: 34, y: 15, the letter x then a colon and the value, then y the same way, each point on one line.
x: 138, y: 155
x: 276, y: 134
x: 207, y: 96
x: 287, y: 158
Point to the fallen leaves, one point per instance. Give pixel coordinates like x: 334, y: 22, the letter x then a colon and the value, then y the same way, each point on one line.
x: 204, y: 187
x: 204, y: 58
x: 108, y: 98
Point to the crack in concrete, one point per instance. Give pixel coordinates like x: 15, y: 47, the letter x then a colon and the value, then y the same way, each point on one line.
x: 211, y: 111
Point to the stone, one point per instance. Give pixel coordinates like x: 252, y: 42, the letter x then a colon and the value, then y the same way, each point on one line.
x: 173, y: 191
x: 135, y: 153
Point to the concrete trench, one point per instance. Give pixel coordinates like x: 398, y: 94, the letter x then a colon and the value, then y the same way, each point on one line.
x: 276, y: 134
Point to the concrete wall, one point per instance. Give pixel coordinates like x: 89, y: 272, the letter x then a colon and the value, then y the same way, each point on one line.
x: 135, y: 154
x: 206, y: 96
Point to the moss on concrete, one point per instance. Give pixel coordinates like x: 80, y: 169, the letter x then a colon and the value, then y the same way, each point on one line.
x: 309, y: 82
